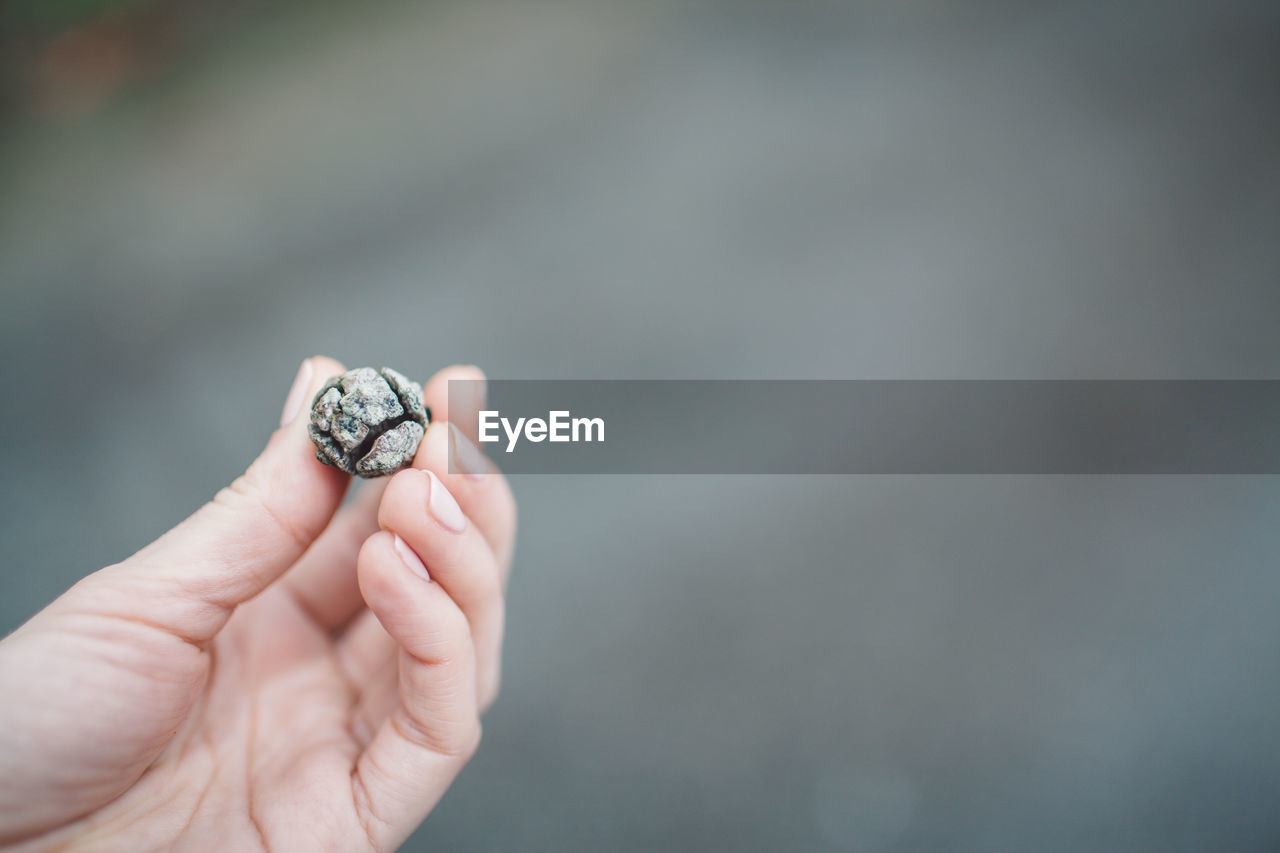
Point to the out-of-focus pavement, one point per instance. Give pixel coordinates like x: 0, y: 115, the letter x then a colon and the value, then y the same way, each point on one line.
x: 718, y: 190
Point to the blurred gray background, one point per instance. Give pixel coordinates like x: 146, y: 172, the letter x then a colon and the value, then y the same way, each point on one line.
x: 806, y: 189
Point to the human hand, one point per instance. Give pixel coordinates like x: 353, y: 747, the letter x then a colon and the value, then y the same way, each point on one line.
x: 268, y: 674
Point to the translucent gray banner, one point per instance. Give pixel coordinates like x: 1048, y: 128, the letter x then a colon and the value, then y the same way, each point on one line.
x: 878, y: 426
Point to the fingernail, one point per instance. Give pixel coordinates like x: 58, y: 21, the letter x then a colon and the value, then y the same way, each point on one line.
x: 465, y: 457
x: 297, y: 392
x: 411, y: 560
x: 443, y: 507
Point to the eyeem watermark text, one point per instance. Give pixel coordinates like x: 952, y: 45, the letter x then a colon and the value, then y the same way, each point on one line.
x: 559, y: 426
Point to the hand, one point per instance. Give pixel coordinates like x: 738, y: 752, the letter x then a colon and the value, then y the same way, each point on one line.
x: 268, y: 675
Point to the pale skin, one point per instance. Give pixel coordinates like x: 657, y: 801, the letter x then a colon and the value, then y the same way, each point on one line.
x: 275, y: 673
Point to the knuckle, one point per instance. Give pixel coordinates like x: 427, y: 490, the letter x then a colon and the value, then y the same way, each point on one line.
x: 447, y: 646
x: 250, y: 495
x: 434, y: 655
x: 452, y: 739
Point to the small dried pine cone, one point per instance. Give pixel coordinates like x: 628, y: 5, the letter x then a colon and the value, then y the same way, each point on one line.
x: 368, y: 422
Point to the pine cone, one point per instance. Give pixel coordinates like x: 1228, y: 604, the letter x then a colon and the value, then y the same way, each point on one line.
x: 368, y: 422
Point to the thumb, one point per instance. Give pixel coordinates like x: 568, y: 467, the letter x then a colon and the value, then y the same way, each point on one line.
x: 191, y: 579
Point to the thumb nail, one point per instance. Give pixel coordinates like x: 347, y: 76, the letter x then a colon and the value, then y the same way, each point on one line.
x: 293, y: 402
